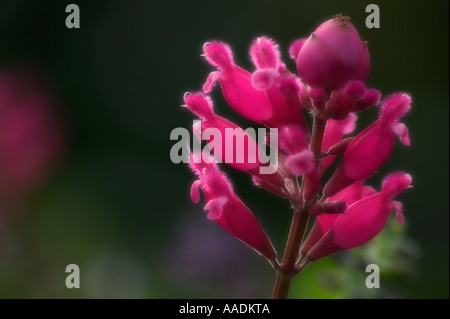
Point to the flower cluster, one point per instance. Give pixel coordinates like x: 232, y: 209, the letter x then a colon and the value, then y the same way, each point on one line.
x: 332, y: 67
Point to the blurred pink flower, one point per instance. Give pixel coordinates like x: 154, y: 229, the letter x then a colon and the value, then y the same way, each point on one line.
x: 30, y: 132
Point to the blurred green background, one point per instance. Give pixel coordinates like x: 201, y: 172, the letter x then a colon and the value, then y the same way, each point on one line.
x: 116, y: 206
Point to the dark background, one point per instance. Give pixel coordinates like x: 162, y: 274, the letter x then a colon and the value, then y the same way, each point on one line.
x: 116, y: 205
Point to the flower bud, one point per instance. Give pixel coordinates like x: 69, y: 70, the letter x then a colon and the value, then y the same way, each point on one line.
x: 333, y: 55
x: 329, y: 207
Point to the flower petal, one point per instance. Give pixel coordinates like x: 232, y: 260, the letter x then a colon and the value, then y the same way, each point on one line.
x: 195, y: 195
x: 301, y: 163
x: 215, y: 207
x: 263, y: 79
x: 362, y: 221
x: 243, y: 97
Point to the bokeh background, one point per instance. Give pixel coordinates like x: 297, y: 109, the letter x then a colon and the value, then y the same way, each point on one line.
x: 88, y: 113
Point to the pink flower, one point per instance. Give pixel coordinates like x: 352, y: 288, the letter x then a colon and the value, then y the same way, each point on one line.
x: 269, y: 96
x: 248, y: 159
x: 370, y: 149
x: 300, y: 160
x: 227, y: 209
x: 333, y: 65
x: 30, y: 135
x: 362, y: 220
x: 323, y: 223
x: 353, y: 97
x: 334, y: 132
x: 333, y: 55
x: 295, y: 47
x: 282, y: 89
x: 236, y: 84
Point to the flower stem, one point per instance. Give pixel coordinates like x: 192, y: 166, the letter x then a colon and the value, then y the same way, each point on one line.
x: 296, y: 232
x: 281, y: 287
x: 317, y: 135
x: 288, y: 268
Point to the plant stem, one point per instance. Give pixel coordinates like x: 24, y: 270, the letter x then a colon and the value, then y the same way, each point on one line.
x: 317, y: 135
x: 299, y: 222
x: 296, y: 232
x: 295, y: 237
x: 281, y: 287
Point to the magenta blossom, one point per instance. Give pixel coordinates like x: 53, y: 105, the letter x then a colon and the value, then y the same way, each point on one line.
x: 333, y: 138
x: 227, y: 209
x: 370, y: 149
x: 30, y: 133
x: 268, y: 96
x: 333, y: 66
x: 360, y: 222
x: 202, y: 106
